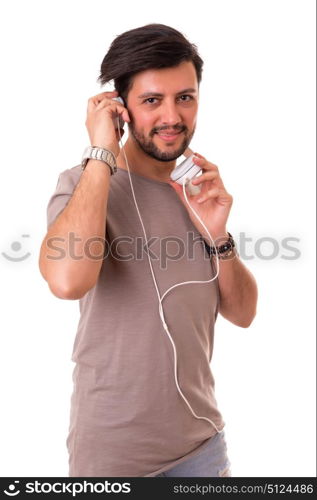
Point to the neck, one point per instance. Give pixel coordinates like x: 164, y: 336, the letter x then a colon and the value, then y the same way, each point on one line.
x: 143, y: 164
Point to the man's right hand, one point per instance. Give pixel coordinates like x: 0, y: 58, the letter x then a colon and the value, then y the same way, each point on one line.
x: 101, y: 111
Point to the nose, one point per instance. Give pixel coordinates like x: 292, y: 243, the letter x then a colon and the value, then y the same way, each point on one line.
x: 169, y: 113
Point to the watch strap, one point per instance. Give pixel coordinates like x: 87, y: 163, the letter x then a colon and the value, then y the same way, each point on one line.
x: 102, y: 154
x: 223, y: 251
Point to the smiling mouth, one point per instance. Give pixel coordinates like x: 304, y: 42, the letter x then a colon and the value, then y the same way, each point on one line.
x: 168, y: 136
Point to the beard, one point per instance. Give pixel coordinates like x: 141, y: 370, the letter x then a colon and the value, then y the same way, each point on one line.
x: 148, y: 146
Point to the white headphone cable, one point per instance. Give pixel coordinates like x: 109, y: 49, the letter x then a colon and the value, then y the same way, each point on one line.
x: 161, y: 312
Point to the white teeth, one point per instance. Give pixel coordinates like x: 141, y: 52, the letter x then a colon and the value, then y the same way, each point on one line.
x: 170, y: 134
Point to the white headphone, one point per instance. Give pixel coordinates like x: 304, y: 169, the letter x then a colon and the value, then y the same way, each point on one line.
x: 184, y: 180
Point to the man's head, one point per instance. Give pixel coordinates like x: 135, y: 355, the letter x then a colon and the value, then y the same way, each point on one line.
x: 157, y: 72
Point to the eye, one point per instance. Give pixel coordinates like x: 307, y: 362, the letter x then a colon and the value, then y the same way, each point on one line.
x: 150, y: 100
x: 186, y: 98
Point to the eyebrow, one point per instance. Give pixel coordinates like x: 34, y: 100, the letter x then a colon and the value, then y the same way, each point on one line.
x: 158, y: 94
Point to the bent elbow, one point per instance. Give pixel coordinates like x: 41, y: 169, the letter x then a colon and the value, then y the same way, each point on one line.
x: 247, y: 321
x: 66, y: 293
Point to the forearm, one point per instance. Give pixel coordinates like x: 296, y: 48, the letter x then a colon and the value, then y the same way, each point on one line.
x: 79, y: 234
x: 238, y: 292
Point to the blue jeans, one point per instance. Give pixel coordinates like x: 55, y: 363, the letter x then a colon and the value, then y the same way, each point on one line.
x: 212, y: 461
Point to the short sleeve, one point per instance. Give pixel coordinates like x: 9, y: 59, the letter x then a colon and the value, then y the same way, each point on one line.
x: 66, y: 184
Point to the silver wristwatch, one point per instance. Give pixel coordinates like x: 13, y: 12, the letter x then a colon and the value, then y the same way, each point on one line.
x: 96, y: 153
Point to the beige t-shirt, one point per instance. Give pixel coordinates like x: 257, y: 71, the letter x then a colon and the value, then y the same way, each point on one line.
x: 127, y: 416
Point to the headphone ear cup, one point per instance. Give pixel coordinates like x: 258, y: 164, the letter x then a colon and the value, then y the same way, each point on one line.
x: 192, y: 189
x: 186, y: 171
x: 119, y: 99
x: 121, y: 121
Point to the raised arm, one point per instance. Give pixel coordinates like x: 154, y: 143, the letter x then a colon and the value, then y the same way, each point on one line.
x: 72, y: 251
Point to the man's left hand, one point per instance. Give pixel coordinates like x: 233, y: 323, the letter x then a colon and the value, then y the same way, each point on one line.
x: 216, y: 201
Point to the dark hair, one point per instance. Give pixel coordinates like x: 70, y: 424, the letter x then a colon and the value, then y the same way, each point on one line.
x: 152, y: 46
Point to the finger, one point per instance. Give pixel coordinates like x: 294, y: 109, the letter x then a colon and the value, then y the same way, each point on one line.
x: 208, y: 176
x: 94, y: 101
x: 120, y: 110
x: 115, y: 107
x: 94, y: 104
x: 102, y: 95
x: 105, y: 103
x: 199, y: 155
x: 211, y: 193
x: 204, y: 164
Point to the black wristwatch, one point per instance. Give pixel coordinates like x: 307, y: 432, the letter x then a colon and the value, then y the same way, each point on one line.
x: 222, y: 251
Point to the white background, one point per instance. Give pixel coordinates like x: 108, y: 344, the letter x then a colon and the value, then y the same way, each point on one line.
x: 257, y: 123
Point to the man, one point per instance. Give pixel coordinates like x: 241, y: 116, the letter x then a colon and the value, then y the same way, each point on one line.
x: 143, y: 403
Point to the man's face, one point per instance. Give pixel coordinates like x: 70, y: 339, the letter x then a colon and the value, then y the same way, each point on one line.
x: 163, y: 105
